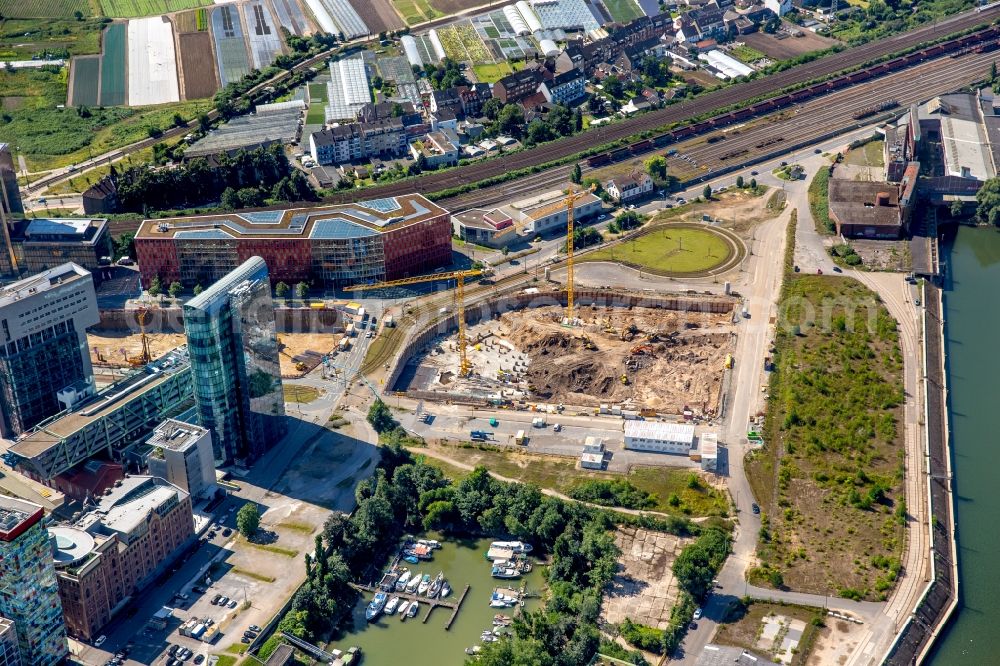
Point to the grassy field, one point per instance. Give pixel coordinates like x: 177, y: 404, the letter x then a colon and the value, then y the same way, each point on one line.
x: 746, y: 54
x: 492, y: 73
x: 137, y: 8
x: 669, y: 250
x: 300, y: 393
x: 623, y: 11
x: 22, y: 39
x: 81, y: 182
x: 14, y: 9
x: 819, y: 202
x: 829, y: 479
x: 869, y: 154
x: 743, y: 630
x: 560, y: 474
x: 415, y: 11
x: 50, y: 137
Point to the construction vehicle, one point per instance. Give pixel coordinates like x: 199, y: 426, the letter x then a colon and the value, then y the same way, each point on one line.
x: 459, y: 277
x: 571, y: 197
x: 538, y: 422
x: 638, y: 350
x: 625, y: 379
x: 519, y: 438
x: 628, y: 333
x: 141, y: 316
x: 729, y: 361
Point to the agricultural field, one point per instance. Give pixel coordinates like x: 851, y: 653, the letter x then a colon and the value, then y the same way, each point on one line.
x: 140, y: 8
x: 113, y: 66
x: 623, y: 11
x: 86, y: 74
x: 290, y: 16
x: 492, y: 73
x: 50, y: 137
x: 461, y: 42
x: 152, y: 71
x: 230, y: 50
x: 197, y: 65
x: 265, y: 40
x: 47, y: 36
x: 338, y: 16
x: 16, y: 9
x: 416, y: 11
x: 446, y: 7
x: 189, y: 21
x: 378, y: 15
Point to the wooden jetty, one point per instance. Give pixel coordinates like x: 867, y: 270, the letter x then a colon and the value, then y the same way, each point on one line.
x: 433, y: 603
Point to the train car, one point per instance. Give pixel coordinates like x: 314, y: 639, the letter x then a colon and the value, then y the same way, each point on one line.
x: 663, y: 140
x: 619, y: 154
x: 598, y: 160
x: 732, y: 154
x: 743, y: 114
x: 641, y: 146
x: 986, y: 48
x: 685, y: 131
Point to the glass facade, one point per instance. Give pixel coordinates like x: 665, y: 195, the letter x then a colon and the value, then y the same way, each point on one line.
x: 233, y: 346
x: 29, y: 592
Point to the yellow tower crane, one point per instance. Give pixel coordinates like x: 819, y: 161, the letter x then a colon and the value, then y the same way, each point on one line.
x: 459, y: 278
x: 572, y: 195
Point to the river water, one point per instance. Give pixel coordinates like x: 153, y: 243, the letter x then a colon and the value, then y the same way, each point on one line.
x: 393, y: 642
x: 972, y: 311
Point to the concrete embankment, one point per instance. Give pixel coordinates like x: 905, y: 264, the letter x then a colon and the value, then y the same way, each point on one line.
x: 916, y: 637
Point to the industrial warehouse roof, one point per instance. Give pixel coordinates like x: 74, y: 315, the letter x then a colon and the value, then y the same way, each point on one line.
x: 857, y: 202
x: 342, y: 221
x: 281, y: 126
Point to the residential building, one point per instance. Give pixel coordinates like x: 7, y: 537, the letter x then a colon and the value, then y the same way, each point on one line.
x: 117, y: 548
x: 636, y: 185
x: 10, y: 194
x: 865, y: 209
x: 336, y: 245
x: 493, y: 228
x: 181, y: 453
x: 659, y: 437
x: 779, y: 7
x: 444, y: 119
x: 473, y: 97
x: 234, y: 362
x: 517, y: 86
x: 446, y: 100
x: 29, y: 594
x: 551, y: 215
x: 565, y: 88
x: 10, y: 655
x: 43, y: 322
x: 101, y: 197
x: 384, y: 137
x: 57, y: 451
x: 405, y: 111
x: 437, y: 149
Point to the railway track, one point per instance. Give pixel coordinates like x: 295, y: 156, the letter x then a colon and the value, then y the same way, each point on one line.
x: 740, y: 93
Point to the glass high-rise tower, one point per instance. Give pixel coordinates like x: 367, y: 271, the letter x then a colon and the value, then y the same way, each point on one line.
x: 29, y: 592
x: 233, y: 348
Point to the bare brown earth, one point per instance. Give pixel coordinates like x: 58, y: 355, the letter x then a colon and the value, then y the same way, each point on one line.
x: 198, y: 65
x: 378, y: 15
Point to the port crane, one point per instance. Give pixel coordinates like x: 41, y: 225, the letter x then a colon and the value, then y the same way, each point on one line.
x: 459, y: 277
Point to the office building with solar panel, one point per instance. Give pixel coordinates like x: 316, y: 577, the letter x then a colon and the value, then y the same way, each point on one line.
x: 326, y: 246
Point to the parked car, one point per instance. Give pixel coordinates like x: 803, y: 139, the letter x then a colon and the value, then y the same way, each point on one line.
x: 837, y: 269
x: 232, y: 603
x: 755, y: 508
x: 100, y: 640
x: 226, y: 532
x: 698, y: 612
x: 172, y: 650
x: 216, y: 599
x: 223, y: 600
x: 557, y: 427
x: 254, y: 627
x: 245, y: 640
x: 199, y: 658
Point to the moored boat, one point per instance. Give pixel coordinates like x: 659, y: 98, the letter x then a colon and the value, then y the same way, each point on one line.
x: 414, y: 609
x: 430, y: 543
x: 392, y: 605
x: 403, y: 607
x: 445, y: 588
x: 425, y: 583
x: 376, y: 606
x: 505, y: 572
x: 435, y: 587
x: 404, y: 578
x: 411, y: 587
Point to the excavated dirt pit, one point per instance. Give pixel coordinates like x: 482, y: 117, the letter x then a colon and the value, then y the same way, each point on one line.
x: 671, y: 360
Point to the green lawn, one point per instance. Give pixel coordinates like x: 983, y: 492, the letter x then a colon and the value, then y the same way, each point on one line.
x: 24, y: 38
x: 869, y: 154
x: 623, y: 11
x: 669, y: 249
x: 492, y: 73
x: 746, y: 54
x: 415, y: 11
x: 299, y: 393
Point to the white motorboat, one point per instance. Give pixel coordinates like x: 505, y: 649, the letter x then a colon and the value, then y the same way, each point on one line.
x: 414, y: 582
x: 403, y: 580
x: 425, y: 583
x: 392, y: 605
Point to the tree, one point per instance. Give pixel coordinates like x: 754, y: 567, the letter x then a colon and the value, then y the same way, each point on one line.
x: 539, y: 131
x: 154, y: 132
x: 510, y: 120
x: 739, y: 182
x: 281, y: 290
x: 155, y: 287
x: 198, y: 289
x: 956, y: 208
x: 492, y: 107
x: 707, y: 193
x: 179, y: 120
x: 988, y: 202
x: 229, y: 199
x: 78, y: 15
x: 301, y: 289
x: 628, y: 220
x: 613, y: 86
x: 175, y: 289
x: 753, y: 183
x: 380, y: 417
x: 248, y: 519
x: 124, y: 246
x: 204, y: 124
x: 656, y: 167
x: 576, y: 175
x: 377, y: 82
x: 992, y: 76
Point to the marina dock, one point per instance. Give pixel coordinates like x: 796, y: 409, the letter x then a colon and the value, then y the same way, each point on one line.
x: 433, y: 603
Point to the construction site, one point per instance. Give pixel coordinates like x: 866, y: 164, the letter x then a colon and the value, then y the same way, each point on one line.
x: 652, y: 358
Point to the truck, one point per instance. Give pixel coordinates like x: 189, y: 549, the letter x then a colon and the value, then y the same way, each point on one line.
x: 746, y: 312
x: 729, y: 361
x: 538, y: 422
x: 519, y: 438
x: 478, y: 435
x: 344, y: 344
